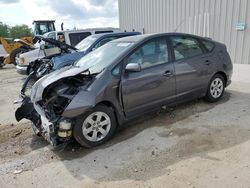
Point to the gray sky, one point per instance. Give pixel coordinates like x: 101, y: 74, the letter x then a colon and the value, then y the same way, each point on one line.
x: 79, y: 13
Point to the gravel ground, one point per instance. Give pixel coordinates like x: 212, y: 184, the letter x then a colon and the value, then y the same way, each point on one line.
x: 193, y: 145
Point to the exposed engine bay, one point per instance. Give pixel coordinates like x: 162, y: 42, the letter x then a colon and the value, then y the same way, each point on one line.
x: 58, y: 95
x: 46, y: 114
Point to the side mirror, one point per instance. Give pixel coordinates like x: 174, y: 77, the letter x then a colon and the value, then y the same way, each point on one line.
x: 133, y: 67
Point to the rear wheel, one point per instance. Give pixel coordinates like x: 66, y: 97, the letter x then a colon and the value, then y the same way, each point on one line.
x: 95, y: 127
x: 216, y: 88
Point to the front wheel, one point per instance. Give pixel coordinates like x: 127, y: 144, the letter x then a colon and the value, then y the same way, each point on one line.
x: 95, y: 127
x: 216, y: 88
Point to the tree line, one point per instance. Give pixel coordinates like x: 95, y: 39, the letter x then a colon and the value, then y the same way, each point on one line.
x: 14, y: 32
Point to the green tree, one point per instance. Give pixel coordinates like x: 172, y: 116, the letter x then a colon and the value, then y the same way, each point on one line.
x: 4, y: 30
x: 19, y: 31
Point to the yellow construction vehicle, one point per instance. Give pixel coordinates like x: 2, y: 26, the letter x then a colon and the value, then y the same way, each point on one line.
x: 13, y: 48
x: 10, y: 49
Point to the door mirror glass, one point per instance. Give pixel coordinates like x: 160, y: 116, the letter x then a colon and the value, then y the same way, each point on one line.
x: 133, y: 67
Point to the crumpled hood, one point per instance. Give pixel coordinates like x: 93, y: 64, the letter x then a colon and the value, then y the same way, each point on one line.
x: 42, y: 83
x: 66, y: 59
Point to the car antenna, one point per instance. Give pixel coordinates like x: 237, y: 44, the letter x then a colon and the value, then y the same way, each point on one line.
x: 180, y: 24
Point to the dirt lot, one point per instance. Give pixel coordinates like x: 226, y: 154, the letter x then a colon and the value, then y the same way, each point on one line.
x: 194, y: 145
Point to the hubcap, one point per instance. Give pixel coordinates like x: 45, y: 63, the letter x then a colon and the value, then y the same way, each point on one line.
x: 216, y: 88
x: 96, y: 126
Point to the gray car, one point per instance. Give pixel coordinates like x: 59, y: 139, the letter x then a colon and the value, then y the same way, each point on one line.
x: 123, y: 79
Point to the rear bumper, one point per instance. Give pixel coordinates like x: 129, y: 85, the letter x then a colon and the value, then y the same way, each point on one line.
x: 22, y: 69
x: 229, y: 77
x: 228, y: 83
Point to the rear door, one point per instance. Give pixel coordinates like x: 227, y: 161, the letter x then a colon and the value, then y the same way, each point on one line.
x: 192, y: 65
x: 154, y: 85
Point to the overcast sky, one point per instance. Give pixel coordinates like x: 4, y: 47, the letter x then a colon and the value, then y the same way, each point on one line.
x: 79, y: 13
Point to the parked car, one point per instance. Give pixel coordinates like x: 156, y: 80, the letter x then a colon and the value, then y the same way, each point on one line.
x: 70, y: 37
x: 87, y: 45
x: 73, y: 37
x: 41, y: 67
x: 122, y: 80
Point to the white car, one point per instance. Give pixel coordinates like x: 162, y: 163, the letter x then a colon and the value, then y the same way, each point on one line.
x: 71, y: 37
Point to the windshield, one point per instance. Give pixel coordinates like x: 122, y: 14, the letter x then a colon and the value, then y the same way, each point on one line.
x: 102, y: 57
x: 86, y: 43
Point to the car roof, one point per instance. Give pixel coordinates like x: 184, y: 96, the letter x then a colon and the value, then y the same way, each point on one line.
x: 138, y: 38
x: 86, y: 30
x: 91, y: 29
x: 115, y: 34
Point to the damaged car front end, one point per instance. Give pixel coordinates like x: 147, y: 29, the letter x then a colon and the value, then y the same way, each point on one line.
x: 68, y: 103
x: 48, y: 104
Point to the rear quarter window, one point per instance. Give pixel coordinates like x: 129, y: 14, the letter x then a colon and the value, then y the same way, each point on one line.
x: 75, y: 38
x: 208, y: 45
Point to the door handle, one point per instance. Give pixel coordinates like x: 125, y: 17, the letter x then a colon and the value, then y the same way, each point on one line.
x: 207, y: 62
x: 168, y: 73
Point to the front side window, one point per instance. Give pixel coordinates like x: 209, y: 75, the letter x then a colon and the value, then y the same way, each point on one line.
x: 185, y: 47
x: 154, y: 52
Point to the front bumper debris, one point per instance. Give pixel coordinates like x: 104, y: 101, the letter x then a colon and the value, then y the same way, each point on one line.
x: 53, y: 132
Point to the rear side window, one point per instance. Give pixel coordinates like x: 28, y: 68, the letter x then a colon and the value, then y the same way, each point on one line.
x: 61, y: 37
x: 185, y: 47
x: 99, y: 32
x: 75, y: 38
x: 208, y: 45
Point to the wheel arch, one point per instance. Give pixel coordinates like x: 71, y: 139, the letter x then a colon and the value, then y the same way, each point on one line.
x: 112, y: 106
x: 222, y: 74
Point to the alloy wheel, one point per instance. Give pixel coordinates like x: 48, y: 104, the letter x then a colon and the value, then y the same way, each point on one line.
x: 216, y: 88
x: 96, y: 126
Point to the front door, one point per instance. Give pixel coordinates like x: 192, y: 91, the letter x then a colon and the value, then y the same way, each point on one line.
x: 154, y: 85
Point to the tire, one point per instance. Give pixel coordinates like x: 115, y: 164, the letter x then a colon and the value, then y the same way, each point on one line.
x: 87, y: 128
x: 215, y: 88
x: 1, y: 62
x: 29, y: 85
x: 15, y: 53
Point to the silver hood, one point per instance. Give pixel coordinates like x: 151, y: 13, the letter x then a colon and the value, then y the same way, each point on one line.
x: 42, y: 83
